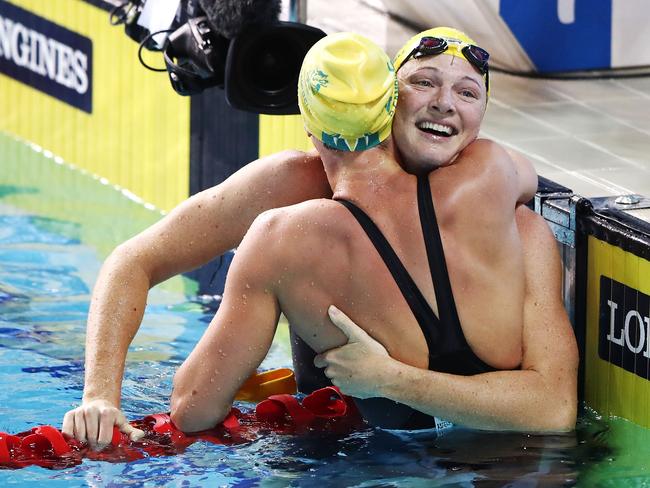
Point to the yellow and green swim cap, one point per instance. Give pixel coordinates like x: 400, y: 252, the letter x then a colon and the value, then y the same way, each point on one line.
x: 455, y: 48
x: 347, y: 92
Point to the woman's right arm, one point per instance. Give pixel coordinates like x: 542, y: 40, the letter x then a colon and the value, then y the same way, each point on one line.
x: 204, y: 226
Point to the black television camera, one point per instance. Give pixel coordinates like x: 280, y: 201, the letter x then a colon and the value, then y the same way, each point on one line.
x: 237, y: 45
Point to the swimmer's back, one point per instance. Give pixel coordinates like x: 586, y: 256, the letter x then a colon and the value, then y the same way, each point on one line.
x: 333, y: 261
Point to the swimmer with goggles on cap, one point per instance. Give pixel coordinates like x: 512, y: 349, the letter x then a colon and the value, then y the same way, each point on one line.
x: 448, y: 41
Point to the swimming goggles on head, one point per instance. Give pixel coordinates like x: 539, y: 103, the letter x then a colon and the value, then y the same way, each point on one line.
x: 429, y: 46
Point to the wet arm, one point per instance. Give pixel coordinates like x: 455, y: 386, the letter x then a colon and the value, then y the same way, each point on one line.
x: 199, y: 229
x: 236, y: 341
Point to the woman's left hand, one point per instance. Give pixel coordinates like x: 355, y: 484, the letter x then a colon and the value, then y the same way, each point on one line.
x: 359, y: 368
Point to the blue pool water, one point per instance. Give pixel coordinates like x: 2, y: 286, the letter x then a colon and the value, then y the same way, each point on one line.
x: 52, y: 243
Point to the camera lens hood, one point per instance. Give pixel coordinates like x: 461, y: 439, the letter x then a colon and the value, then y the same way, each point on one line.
x: 263, y: 65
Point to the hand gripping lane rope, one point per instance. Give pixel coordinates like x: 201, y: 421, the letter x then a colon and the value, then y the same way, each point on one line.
x: 279, y: 411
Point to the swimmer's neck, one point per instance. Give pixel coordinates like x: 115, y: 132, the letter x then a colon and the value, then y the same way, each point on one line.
x: 355, y: 173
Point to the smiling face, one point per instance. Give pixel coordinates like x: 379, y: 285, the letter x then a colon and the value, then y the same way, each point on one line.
x: 442, y: 100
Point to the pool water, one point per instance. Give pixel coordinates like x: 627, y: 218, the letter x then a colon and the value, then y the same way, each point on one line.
x: 57, y: 224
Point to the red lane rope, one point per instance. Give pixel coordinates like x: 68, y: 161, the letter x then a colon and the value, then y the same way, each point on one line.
x: 325, y: 410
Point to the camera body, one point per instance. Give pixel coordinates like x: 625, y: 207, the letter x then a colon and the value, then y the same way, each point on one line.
x: 237, y: 46
x: 195, y: 57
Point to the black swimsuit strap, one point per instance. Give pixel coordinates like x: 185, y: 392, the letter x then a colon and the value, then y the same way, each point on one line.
x: 447, y: 312
x: 414, y: 298
x: 458, y: 356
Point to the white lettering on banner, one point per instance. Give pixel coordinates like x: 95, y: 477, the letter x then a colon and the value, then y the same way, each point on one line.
x: 628, y: 341
x: 81, y: 69
x: 566, y: 11
x: 33, y: 47
x: 646, y: 353
x: 44, y: 56
x: 48, y: 57
x: 624, y: 327
x: 612, y: 336
x: 5, y: 50
x: 63, y: 65
x: 19, y: 59
x: 624, y: 337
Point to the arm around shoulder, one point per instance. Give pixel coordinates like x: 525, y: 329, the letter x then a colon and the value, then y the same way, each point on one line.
x: 526, y: 175
x: 196, y: 231
x: 515, y: 170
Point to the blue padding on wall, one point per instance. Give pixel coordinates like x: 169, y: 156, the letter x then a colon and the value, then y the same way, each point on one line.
x: 554, y: 46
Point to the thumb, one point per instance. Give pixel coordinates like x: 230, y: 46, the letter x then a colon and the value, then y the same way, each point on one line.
x: 126, y: 428
x: 353, y: 332
x: 133, y: 433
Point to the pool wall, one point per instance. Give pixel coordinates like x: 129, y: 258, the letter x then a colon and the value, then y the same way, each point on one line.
x: 617, y: 348
x: 605, y: 247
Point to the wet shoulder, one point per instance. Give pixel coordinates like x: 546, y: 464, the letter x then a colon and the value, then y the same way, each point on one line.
x: 491, y: 171
x: 311, y: 219
x: 306, y: 236
x: 485, y: 153
x: 295, y: 160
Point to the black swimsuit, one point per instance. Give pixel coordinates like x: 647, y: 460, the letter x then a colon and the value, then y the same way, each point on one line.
x: 448, y: 349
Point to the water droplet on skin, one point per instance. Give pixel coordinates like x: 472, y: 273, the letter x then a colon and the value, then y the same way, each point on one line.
x: 244, y: 296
